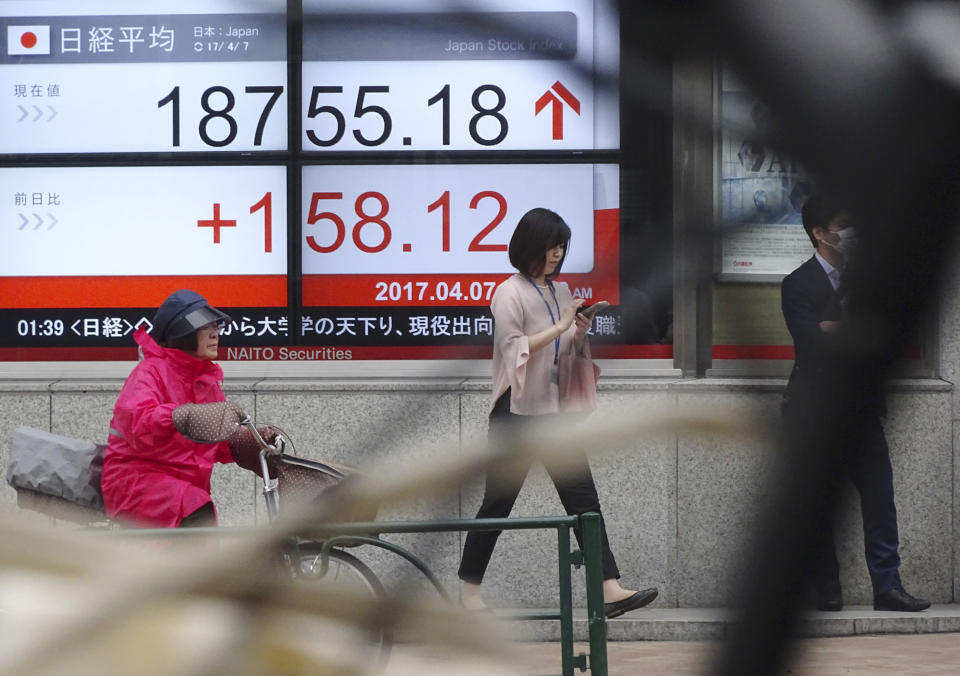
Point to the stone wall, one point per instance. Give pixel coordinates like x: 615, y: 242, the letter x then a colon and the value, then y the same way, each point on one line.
x: 680, y: 507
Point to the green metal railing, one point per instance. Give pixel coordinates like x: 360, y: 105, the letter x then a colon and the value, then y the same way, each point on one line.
x: 332, y: 534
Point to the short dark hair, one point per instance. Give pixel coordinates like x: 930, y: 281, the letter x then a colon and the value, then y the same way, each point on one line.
x: 537, y: 232
x: 818, y: 212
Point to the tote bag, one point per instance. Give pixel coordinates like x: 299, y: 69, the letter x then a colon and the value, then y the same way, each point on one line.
x: 578, y: 383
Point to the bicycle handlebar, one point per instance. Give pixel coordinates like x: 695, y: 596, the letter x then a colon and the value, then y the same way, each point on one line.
x: 282, y: 442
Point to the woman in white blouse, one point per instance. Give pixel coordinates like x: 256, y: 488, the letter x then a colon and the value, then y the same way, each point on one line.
x: 536, y: 327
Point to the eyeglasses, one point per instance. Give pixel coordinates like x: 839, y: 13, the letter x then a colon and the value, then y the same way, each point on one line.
x: 217, y: 326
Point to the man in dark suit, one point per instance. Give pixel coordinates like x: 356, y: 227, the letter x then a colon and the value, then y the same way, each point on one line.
x: 813, y: 302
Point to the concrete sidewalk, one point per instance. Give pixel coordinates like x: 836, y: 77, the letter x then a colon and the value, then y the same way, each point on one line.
x: 907, y: 655
x: 685, y: 641
x: 704, y: 624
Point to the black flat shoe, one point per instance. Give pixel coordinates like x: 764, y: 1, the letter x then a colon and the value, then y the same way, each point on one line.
x: 637, y: 600
x: 899, y: 600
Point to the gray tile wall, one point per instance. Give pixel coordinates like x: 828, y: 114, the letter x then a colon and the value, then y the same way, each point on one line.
x: 680, y: 505
x: 948, y: 367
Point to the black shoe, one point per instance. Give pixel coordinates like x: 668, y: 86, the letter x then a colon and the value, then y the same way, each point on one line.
x: 830, y: 601
x: 899, y: 600
x: 636, y: 600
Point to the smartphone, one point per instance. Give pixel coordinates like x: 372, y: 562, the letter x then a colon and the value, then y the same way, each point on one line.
x: 589, y: 310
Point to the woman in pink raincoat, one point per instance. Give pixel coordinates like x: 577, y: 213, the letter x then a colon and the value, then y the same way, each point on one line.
x: 153, y: 475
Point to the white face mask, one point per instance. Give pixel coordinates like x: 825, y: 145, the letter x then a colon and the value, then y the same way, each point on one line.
x: 847, y: 243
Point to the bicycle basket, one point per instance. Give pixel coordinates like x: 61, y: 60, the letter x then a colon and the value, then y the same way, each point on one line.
x: 303, y: 482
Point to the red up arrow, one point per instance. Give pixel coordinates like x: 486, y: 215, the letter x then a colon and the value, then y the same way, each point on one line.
x: 550, y: 98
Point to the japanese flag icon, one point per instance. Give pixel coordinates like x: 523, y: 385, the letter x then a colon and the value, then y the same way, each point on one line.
x: 28, y: 40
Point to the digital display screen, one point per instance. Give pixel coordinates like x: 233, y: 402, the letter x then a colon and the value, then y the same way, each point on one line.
x: 92, y: 251
x: 517, y: 75
x: 410, y: 255
x: 110, y: 77
x: 355, y: 204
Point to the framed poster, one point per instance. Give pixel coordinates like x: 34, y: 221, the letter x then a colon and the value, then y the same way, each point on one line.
x: 761, y: 193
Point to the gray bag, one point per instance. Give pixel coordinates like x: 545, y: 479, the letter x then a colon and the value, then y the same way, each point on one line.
x: 55, y: 465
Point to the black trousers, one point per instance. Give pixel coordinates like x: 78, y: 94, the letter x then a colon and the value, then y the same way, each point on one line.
x: 574, y: 485
x: 202, y: 517
x: 871, y: 473
x: 868, y: 468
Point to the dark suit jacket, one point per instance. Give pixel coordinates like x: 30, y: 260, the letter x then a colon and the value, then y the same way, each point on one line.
x: 807, y: 298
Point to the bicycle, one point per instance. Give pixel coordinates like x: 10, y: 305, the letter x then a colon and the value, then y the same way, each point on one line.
x: 308, y: 558
x: 321, y: 556
x: 282, y: 473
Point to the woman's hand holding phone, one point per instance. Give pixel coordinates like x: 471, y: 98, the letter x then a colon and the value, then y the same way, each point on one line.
x: 569, y: 313
x: 583, y: 320
x: 585, y: 315
x: 583, y: 325
x: 589, y: 311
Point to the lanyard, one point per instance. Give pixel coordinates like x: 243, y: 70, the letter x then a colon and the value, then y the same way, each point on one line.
x: 556, y: 341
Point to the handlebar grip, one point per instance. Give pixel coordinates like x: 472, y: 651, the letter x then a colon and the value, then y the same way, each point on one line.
x: 279, y: 442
